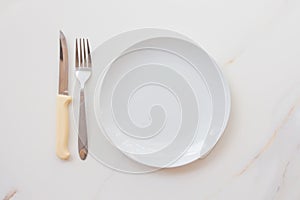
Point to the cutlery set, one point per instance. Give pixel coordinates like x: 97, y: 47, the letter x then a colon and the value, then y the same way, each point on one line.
x: 83, y: 64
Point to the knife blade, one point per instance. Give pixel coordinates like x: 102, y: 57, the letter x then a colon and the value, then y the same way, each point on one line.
x: 62, y: 102
x: 63, y: 65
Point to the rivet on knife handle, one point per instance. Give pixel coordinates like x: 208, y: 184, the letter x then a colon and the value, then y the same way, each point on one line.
x: 62, y: 129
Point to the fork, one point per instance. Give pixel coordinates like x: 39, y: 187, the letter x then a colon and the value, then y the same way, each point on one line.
x: 83, y: 65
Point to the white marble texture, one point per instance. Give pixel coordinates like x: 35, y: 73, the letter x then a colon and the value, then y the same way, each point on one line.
x: 256, y: 43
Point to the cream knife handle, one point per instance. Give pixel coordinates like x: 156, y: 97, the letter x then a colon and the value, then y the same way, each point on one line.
x: 62, y: 126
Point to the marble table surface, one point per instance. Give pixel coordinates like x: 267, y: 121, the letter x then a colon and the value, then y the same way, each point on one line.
x: 257, y: 45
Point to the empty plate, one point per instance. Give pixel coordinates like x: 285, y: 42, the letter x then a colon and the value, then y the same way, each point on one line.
x: 159, y: 99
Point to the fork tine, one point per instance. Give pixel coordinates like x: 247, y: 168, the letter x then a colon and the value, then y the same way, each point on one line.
x: 89, y: 60
x: 84, y: 53
x: 76, y: 54
x: 80, y: 49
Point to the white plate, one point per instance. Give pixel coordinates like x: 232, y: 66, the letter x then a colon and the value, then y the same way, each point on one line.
x: 160, y: 99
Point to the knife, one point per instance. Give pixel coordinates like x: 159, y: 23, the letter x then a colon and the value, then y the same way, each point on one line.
x: 62, y: 102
